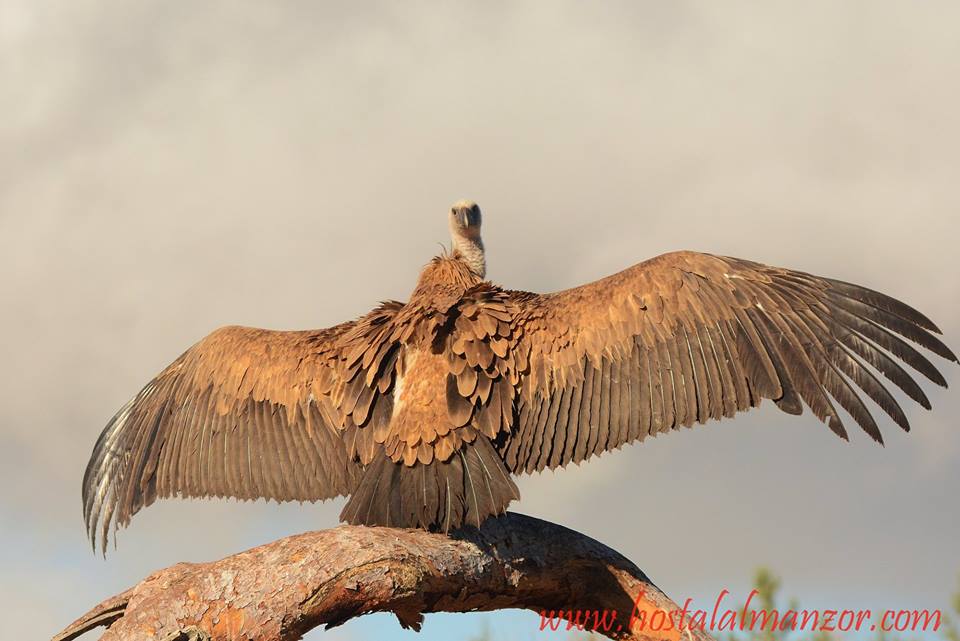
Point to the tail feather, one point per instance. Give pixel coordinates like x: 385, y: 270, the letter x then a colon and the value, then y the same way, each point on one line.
x: 442, y: 496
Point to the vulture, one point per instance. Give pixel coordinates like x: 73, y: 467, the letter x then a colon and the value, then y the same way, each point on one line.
x: 420, y: 412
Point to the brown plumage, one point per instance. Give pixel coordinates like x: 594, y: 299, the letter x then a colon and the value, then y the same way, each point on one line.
x: 420, y: 411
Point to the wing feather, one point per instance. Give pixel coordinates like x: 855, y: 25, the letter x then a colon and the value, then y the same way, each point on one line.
x: 687, y: 337
x: 583, y: 417
x: 621, y: 403
x: 238, y: 414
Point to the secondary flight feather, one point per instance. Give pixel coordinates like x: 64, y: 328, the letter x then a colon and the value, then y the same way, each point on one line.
x: 421, y: 411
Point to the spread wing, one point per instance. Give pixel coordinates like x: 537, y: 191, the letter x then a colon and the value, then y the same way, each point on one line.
x: 246, y: 413
x: 687, y: 337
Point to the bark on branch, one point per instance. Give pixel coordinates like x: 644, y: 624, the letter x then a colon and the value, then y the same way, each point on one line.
x: 279, y: 591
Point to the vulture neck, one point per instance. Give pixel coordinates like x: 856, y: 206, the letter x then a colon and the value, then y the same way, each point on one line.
x: 470, y: 251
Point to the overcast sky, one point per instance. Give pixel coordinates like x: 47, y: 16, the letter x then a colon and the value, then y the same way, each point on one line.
x: 170, y: 167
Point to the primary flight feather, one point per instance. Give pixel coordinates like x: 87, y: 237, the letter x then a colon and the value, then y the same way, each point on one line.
x: 421, y: 411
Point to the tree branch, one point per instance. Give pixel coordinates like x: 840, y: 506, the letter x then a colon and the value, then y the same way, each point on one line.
x: 279, y: 591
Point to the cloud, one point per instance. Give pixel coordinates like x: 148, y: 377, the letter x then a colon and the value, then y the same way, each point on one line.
x: 171, y: 168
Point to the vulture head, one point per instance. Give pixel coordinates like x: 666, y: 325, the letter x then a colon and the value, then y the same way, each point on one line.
x: 465, y: 220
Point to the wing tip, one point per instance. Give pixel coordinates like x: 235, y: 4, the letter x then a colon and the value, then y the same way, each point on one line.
x: 884, y: 302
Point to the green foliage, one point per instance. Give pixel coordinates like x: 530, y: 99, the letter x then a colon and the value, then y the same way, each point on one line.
x: 768, y: 586
x: 949, y: 630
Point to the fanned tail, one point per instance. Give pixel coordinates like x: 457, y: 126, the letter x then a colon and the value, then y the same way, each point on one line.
x: 443, y: 496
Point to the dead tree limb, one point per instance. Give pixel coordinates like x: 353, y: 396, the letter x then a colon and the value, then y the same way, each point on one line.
x: 279, y: 591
